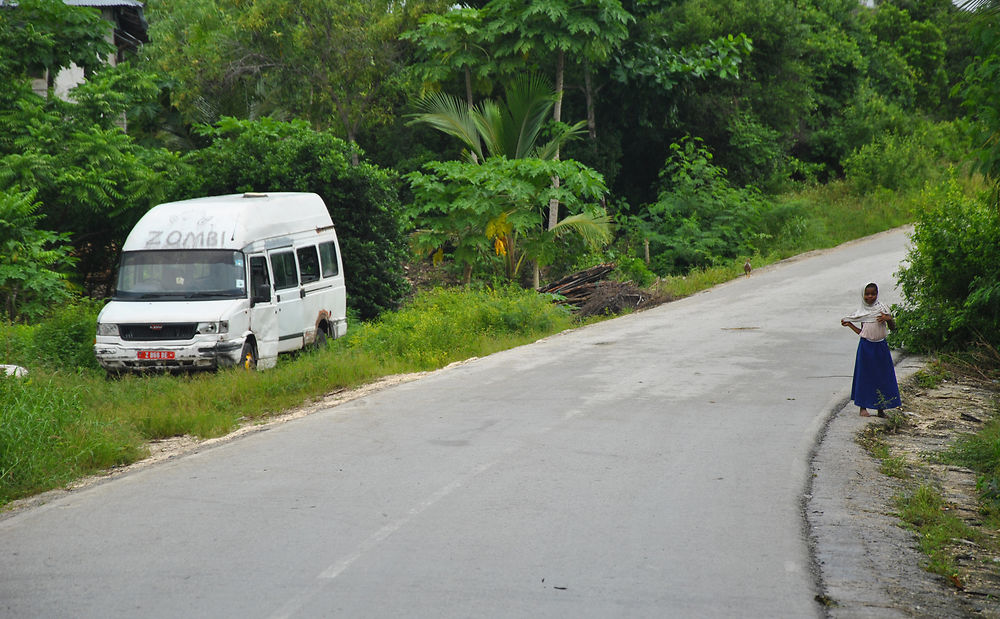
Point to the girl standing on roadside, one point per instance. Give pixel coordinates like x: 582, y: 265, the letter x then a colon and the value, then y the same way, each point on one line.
x: 874, y: 383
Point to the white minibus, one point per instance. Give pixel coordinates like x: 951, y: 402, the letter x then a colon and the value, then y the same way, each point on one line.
x: 222, y: 281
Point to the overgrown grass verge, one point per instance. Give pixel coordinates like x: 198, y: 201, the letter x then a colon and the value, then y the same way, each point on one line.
x: 812, y: 218
x: 59, y: 425
x: 957, y: 543
x: 925, y: 512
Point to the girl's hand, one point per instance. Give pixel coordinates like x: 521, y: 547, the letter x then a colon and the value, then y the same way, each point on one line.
x: 884, y: 318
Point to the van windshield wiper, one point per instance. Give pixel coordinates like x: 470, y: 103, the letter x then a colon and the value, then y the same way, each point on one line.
x: 210, y: 293
x: 160, y: 295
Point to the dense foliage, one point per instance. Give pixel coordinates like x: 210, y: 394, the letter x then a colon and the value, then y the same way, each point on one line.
x: 951, y: 283
x: 267, y: 155
x: 693, y: 114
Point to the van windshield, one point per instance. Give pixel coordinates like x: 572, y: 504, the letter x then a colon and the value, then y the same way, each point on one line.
x: 170, y: 275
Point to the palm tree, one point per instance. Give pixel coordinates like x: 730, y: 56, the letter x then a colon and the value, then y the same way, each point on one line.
x: 492, y: 129
x: 512, y: 130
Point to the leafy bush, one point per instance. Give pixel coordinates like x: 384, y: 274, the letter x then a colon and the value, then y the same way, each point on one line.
x: 64, y: 340
x: 904, y: 160
x: 32, y: 261
x: 699, y: 218
x: 891, y: 161
x: 951, y: 283
x: 634, y: 270
x: 268, y: 155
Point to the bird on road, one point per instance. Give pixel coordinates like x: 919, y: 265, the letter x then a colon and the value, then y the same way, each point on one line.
x: 747, y: 268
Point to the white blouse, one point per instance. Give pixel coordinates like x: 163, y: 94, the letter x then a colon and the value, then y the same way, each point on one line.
x: 874, y: 331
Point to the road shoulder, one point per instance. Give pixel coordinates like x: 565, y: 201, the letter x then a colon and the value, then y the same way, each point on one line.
x: 867, y: 564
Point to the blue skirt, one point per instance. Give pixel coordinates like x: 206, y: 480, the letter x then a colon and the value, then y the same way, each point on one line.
x: 874, y: 377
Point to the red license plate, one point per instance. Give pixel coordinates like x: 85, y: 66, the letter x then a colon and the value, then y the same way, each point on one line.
x: 156, y: 355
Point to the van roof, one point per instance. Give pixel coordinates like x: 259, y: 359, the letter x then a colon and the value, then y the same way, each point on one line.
x: 227, y: 222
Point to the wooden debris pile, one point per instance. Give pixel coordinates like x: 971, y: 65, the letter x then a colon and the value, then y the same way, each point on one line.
x: 577, y: 287
x: 612, y: 298
x: 591, y: 295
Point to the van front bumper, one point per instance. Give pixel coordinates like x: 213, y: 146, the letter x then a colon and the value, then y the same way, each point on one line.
x: 205, y: 355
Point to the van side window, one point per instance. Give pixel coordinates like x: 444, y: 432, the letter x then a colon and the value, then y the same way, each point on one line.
x: 283, y: 265
x: 328, y: 252
x: 308, y: 263
x: 259, y: 279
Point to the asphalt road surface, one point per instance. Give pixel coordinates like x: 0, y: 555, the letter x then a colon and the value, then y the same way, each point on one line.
x: 650, y: 466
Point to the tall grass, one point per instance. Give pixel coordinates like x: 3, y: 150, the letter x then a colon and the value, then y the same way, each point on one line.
x: 48, y: 438
x: 815, y: 217
x: 60, y: 424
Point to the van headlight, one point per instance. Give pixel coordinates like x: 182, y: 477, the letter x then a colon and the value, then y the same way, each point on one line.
x: 107, y: 328
x: 213, y: 328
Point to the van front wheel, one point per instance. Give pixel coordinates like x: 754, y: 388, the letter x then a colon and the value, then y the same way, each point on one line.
x: 248, y: 358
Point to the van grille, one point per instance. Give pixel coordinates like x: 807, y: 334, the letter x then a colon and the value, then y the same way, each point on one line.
x: 155, y: 331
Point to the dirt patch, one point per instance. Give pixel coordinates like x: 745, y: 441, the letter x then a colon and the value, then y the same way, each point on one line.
x: 934, y: 418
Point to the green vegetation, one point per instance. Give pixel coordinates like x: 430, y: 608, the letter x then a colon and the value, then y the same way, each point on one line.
x: 981, y: 453
x: 925, y: 512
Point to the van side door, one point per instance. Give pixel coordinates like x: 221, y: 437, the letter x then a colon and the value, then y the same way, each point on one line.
x: 263, y: 311
x: 289, y: 301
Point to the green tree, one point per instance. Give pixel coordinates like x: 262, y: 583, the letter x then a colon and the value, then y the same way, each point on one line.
x: 336, y: 63
x: 512, y: 129
x: 907, y: 57
x: 980, y: 92
x: 588, y: 30
x: 43, y: 36
x: 699, y: 218
x: 494, y: 210
x: 33, y: 262
x: 452, y: 42
x: 91, y: 179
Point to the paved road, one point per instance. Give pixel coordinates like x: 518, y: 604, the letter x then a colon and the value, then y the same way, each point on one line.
x: 650, y: 466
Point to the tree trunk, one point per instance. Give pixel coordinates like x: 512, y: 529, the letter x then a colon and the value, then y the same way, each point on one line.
x: 471, y: 104
x: 645, y: 250
x: 468, y: 86
x: 560, y: 69
x: 557, y: 116
x: 589, y: 94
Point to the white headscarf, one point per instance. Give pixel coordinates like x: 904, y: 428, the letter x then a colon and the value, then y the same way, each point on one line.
x: 868, y: 313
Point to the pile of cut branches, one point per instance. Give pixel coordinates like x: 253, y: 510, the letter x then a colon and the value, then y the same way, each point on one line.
x: 591, y: 295
x: 576, y: 288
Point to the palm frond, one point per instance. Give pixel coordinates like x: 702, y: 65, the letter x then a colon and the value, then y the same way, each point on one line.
x: 450, y: 115
x: 594, y: 229
x: 563, y: 134
x: 529, y: 101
